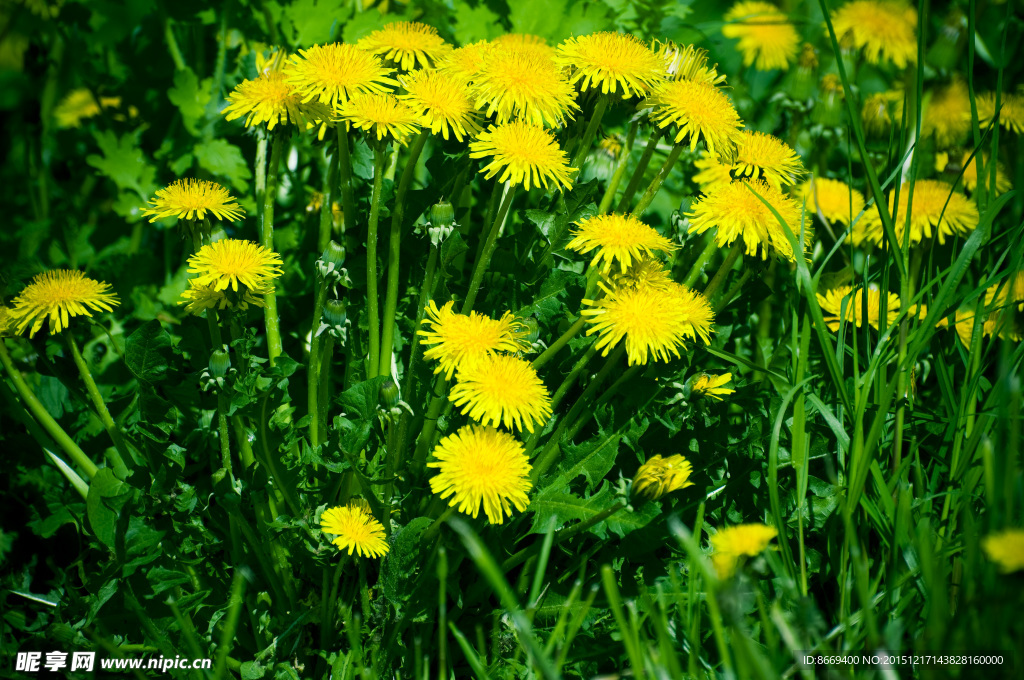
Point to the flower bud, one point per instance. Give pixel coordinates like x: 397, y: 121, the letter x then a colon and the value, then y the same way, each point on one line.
x: 335, y: 312
x: 442, y: 214
x: 334, y: 255
x: 828, y: 110
x: 220, y: 362
x: 388, y: 394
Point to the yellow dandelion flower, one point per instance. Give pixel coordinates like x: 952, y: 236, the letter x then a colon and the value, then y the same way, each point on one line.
x: 518, y: 85
x: 659, y: 476
x: 711, y: 385
x: 686, y: 62
x: 526, y: 43
x: 271, y: 99
x: 355, y: 530
x: 732, y: 543
x: 644, y: 271
x: 1005, y: 548
x: 948, y: 115
x: 1011, y: 111
x: 76, y: 106
x: 767, y: 157
x: 200, y: 298
x: 835, y: 200
x: 995, y: 324
x: 441, y: 101
x: 191, y: 200
x: 382, y: 116
x: 655, y: 319
x: 524, y: 154
x: 936, y: 206
x: 502, y: 389
x: 698, y: 110
x: 953, y: 162
x: 460, y: 340
x: 615, y: 63
x: 231, y: 262
x: 882, y: 110
x: 482, y: 467
x: 7, y: 325
x: 999, y: 295
x: 59, y: 295
x: 884, y: 29
x: 617, y: 238
x: 740, y: 214
x: 407, y: 44
x: 333, y: 74
x: 464, y: 63
x: 768, y: 40
x: 611, y: 145
x: 713, y: 172
x: 834, y: 300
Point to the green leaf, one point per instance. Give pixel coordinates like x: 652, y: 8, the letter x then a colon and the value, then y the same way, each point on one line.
x: 451, y: 248
x: 161, y: 579
x: 315, y: 22
x: 145, y: 352
x: 107, y: 495
x: 407, y: 552
x: 124, y: 163
x: 592, y: 459
x: 564, y: 507
x: 475, y: 23
x: 224, y: 159
x: 537, y: 17
x: 191, y: 97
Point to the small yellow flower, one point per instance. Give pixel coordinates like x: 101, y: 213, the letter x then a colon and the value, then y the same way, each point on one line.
x: 732, y: 543
x: 460, y: 339
x: 59, y: 295
x: 614, y: 63
x: 713, y: 172
x: 953, y: 162
x: 1011, y: 111
x: 79, y: 105
x: 441, y: 101
x: 884, y: 29
x: 767, y: 157
x: 833, y: 301
x: 7, y: 325
x: 655, y: 318
x: 191, y: 200
x: 699, y: 111
x: 234, y: 263
x: 938, y: 210
x: 835, y: 200
x: 768, y: 40
x: 711, y: 385
x: 525, y: 43
x: 407, y: 44
x: 200, y: 298
x: 518, y: 85
x: 739, y: 214
x: 1005, y: 548
x: 659, y: 476
x: 270, y: 99
x: 524, y: 154
x: 617, y: 238
x: 686, y: 62
x: 466, y: 62
x: 333, y: 74
x: 998, y: 323
x: 482, y: 467
x: 882, y: 110
x: 503, y: 390
x: 355, y: 529
x: 948, y: 115
x: 382, y: 116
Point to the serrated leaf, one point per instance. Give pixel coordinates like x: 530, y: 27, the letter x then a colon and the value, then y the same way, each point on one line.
x: 406, y: 553
x: 161, y: 579
x: 537, y: 17
x: 475, y: 23
x: 191, y: 97
x: 123, y: 162
x: 451, y: 248
x: 315, y: 21
x: 224, y: 159
x: 565, y: 507
x: 145, y: 352
x: 592, y: 459
x: 107, y: 495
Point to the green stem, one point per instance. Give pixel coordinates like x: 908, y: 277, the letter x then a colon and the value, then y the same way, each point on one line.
x: 588, y: 136
x: 620, y: 171
x: 97, y: 400
x: 394, y: 252
x: 409, y: 385
x: 348, y: 201
x: 638, y: 172
x: 327, y: 206
x: 723, y: 271
x: 313, y: 377
x: 659, y: 179
x: 227, y: 636
x: 274, y: 344
x: 702, y: 260
x: 557, y: 345
x: 242, y: 435
x: 44, y: 418
x: 489, y: 246
x: 323, y: 398
x: 440, y: 391
x: 373, y: 312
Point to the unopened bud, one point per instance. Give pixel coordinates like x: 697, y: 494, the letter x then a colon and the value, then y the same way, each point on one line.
x: 442, y: 214
x: 335, y: 312
x: 220, y: 362
x: 334, y: 254
x: 388, y: 394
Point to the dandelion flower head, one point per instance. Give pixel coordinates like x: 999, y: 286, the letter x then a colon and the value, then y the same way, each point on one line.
x: 461, y: 339
x: 200, y: 298
x: 482, y: 467
x: 655, y: 319
x: 333, y: 74
x: 699, y: 111
x: 740, y: 214
x: 938, y: 211
x: 686, y: 62
x: 999, y: 323
x: 79, y: 105
x: 234, y: 263
x: 526, y: 43
x: 713, y: 172
x: 711, y: 385
x: 57, y: 296
x: 355, y: 530
x: 191, y: 200
x: 270, y: 99
x: 515, y: 84
x: 835, y: 200
x: 614, y: 63
x: 884, y: 29
x: 645, y: 270
x: 732, y: 543
x: 762, y: 155
x: 768, y: 40
x: 524, y: 154
x: 1011, y: 111
x: 948, y: 115
x: 1001, y: 294
x: 1005, y: 548
x: 407, y: 44
x: 834, y: 301
x: 881, y: 110
x: 441, y: 102
x: 617, y: 238
x: 382, y: 116
x: 466, y: 62
x: 503, y: 390
x: 953, y: 162
x: 659, y: 476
